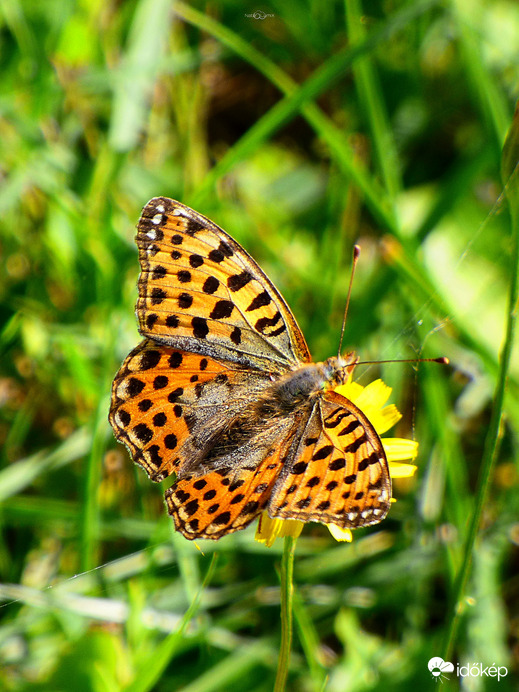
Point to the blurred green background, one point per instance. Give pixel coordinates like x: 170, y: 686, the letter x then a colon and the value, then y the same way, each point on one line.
x: 300, y: 132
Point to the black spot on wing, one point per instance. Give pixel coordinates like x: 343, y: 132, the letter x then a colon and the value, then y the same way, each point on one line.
x: 143, y: 433
x: 184, y: 276
x: 158, y: 295
x: 170, y: 441
x: 259, y: 301
x: 323, y: 452
x: 222, y: 309
x: 124, y: 417
x: 159, y: 273
x: 210, y: 285
x: 160, y: 382
x: 349, y: 428
x: 149, y: 359
x: 265, y: 324
x: 194, y: 226
x: 150, y: 320
x: 235, y: 336
x: 185, y: 300
x: 200, y: 328
x: 172, y: 321
x: 354, y: 446
x: 175, y: 359
x: 196, y: 260
x: 238, y: 281
x: 134, y: 387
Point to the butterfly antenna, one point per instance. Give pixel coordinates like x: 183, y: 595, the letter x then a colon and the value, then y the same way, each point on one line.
x: 443, y: 360
x: 356, y: 253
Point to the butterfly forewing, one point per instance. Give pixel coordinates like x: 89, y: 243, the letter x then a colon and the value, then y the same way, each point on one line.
x: 200, y: 291
x: 338, y: 472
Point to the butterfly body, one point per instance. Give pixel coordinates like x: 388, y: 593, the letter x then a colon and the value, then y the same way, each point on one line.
x: 223, y: 394
x: 296, y: 387
x: 284, y: 402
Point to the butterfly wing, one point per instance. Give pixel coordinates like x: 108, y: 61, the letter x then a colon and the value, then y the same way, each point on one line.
x: 229, y: 498
x: 338, y: 472
x: 169, y: 405
x: 200, y: 291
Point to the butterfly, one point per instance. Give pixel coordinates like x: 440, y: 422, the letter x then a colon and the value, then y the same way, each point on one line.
x: 222, y: 392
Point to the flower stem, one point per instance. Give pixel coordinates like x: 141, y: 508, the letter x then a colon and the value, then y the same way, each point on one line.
x: 287, y: 590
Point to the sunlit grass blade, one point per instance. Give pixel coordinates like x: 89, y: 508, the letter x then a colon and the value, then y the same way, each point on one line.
x: 374, y: 107
x: 489, y: 99
x: 135, y: 79
x: 494, y: 434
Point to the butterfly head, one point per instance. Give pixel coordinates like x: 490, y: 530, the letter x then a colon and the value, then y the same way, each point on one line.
x: 338, y: 370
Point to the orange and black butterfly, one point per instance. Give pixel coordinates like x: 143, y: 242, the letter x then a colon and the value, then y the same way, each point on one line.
x: 222, y: 392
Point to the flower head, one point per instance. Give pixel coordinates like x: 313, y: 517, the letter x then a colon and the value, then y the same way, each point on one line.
x: 371, y: 401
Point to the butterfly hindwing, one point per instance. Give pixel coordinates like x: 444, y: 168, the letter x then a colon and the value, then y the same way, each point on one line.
x: 167, y: 404
x: 227, y: 499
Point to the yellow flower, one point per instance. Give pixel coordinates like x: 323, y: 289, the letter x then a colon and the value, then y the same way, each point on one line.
x: 371, y: 401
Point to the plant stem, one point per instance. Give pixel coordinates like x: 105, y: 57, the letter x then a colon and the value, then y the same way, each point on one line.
x: 287, y: 590
x: 492, y: 441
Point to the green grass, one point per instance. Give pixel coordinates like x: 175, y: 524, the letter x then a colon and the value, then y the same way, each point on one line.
x: 301, y: 134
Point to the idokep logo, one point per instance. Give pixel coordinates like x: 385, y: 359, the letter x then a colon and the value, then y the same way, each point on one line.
x: 439, y: 667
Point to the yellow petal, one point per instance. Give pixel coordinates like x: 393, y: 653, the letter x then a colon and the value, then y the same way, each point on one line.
x: 340, y: 534
x: 351, y: 390
x: 385, y: 418
x: 401, y: 470
x: 398, y: 449
x: 375, y: 394
x: 270, y: 529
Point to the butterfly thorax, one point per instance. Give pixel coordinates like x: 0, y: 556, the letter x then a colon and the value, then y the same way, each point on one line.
x: 293, y: 389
